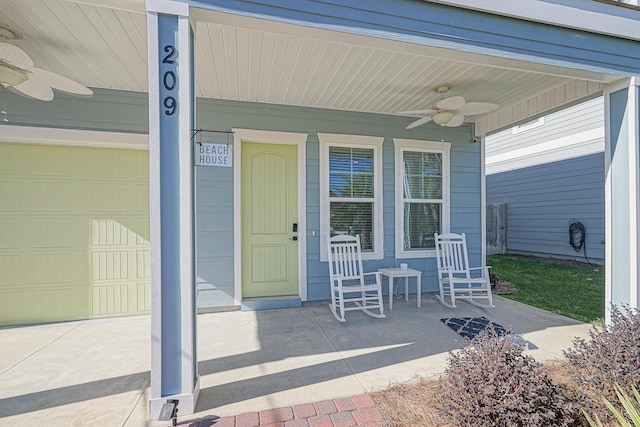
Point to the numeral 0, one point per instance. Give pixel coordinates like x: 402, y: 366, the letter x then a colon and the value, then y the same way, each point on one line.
x: 169, y: 80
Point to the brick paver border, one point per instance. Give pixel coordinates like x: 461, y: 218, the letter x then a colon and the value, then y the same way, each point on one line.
x: 355, y: 411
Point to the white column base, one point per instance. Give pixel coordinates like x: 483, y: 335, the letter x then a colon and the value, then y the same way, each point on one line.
x: 186, y: 406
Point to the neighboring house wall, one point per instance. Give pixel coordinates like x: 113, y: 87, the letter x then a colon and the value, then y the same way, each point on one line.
x: 549, y: 173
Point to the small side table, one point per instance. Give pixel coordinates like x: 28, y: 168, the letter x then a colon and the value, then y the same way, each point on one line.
x: 392, y: 273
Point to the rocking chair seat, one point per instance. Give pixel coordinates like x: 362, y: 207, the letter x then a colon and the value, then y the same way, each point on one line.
x: 350, y: 289
x: 458, y: 281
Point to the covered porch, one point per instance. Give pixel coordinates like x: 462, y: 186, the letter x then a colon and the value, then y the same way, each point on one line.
x: 96, y: 372
x: 314, y: 75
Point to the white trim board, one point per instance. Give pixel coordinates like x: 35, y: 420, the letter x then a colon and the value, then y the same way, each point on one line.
x: 73, y: 137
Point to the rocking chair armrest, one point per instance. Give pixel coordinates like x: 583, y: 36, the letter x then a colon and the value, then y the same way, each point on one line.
x: 484, y: 270
x: 480, y: 268
x: 377, y: 273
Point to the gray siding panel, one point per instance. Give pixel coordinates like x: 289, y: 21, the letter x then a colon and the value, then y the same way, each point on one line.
x: 542, y: 199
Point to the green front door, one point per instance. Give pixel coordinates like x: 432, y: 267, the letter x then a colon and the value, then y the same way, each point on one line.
x: 269, y: 218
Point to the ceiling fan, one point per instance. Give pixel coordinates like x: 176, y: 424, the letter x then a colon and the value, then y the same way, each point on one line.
x: 19, y: 73
x: 449, y: 112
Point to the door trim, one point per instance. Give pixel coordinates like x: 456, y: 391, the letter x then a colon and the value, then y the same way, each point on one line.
x: 269, y: 137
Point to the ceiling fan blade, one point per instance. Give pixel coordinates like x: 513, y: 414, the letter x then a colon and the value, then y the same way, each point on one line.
x: 16, y: 56
x: 59, y: 82
x: 453, y: 103
x: 477, y: 108
x: 33, y: 88
x: 456, y: 121
x: 420, y: 113
x: 419, y: 122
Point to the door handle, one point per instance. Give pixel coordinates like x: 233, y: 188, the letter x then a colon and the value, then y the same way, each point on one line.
x: 294, y: 238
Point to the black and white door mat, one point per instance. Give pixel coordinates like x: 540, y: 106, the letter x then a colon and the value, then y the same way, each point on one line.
x: 470, y: 327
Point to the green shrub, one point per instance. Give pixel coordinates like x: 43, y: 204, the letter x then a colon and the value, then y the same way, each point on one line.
x: 631, y: 410
x: 491, y: 383
x: 610, y: 357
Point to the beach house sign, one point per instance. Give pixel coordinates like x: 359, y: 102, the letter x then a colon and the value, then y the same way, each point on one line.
x: 208, y: 154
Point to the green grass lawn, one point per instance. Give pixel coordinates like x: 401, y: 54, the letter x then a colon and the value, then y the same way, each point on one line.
x: 570, y: 290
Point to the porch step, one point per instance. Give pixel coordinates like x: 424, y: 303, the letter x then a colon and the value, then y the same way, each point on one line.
x: 267, y: 303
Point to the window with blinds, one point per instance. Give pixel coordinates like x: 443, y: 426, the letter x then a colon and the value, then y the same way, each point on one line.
x: 351, y: 193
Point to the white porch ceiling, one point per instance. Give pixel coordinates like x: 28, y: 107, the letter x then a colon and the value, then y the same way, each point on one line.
x: 103, y: 44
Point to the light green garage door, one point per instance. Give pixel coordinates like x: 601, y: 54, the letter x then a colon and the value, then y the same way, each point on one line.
x: 74, y: 233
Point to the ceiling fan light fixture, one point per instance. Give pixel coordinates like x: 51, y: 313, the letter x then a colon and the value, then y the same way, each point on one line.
x: 11, y: 75
x: 443, y: 117
x: 7, y: 33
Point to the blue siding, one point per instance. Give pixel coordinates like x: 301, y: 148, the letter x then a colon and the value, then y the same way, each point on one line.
x: 214, y: 230
x: 215, y: 198
x: 542, y: 199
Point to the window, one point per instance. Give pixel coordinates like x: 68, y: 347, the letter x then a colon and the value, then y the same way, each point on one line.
x: 351, y: 191
x: 531, y: 124
x: 422, y: 195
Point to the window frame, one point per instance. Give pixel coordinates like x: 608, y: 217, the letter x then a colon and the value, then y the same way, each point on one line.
x: 411, y: 145
x: 327, y: 140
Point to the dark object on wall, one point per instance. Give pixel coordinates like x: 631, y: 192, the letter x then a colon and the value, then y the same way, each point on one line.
x: 577, y: 237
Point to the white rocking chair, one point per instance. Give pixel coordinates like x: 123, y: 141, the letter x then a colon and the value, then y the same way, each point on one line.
x: 456, y: 279
x: 349, y: 290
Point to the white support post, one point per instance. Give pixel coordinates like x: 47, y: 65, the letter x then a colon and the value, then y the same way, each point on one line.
x: 622, y: 186
x: 174, y: 371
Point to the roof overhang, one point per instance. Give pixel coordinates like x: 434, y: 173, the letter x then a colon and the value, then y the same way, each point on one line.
x: 251, y: 57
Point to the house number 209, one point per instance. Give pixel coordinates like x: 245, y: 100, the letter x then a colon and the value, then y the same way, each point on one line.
x: 169, y: 81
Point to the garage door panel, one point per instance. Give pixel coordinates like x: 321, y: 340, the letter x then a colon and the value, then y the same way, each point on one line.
x: 47, y: 268
x: 144, y: 297
x: 50, y: 197
x: 10, y: 233
x: 13, y: 196
x: 37, y: 305
x: 10, y: 270
x: 76, y: 244
x: 52, y: 232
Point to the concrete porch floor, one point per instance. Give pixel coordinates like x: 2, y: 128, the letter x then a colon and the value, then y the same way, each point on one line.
x: 97, y: 372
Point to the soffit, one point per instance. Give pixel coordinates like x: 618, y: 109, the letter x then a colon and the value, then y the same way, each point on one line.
x: 103, y: 44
